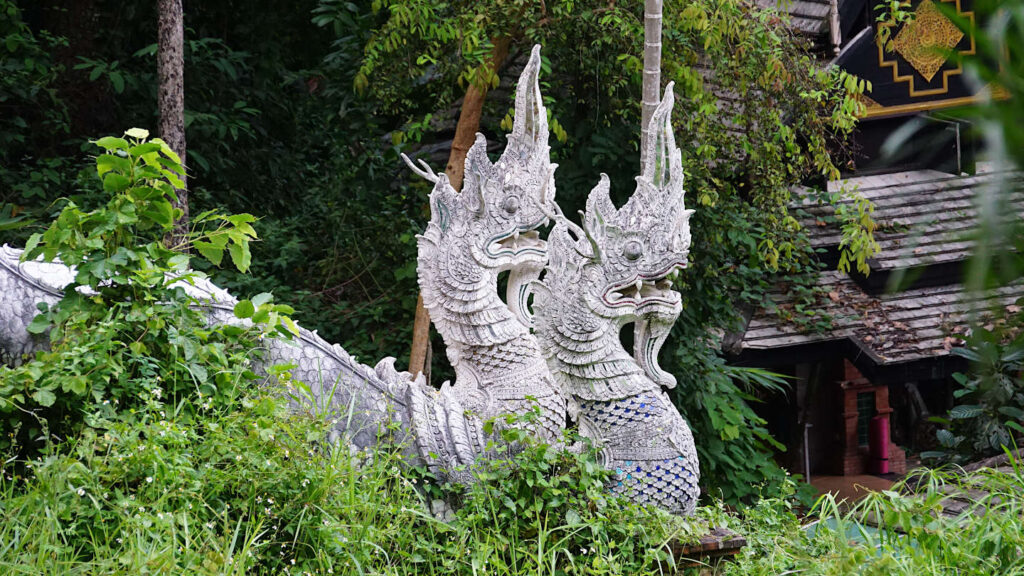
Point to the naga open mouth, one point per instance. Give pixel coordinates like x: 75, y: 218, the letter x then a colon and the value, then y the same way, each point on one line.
x: 524, y: 255
x: 656, y: 306
x: 642, y: 293
x: 517, y: 243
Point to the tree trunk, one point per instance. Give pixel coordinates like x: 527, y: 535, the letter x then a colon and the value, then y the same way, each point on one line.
x: 652, y: 70
x: 420, y: 338
x: 171, y: 97
x: 469, y: 117
x: 465, y: 134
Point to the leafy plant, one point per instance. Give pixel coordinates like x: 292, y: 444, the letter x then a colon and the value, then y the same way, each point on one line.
x: 902, y: 531
x: 857, y: 243
x: 123, y: 331
x: 988, y: 414
x: 141, y: 440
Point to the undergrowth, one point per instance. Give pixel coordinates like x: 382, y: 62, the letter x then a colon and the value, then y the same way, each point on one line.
x: 901, y: 531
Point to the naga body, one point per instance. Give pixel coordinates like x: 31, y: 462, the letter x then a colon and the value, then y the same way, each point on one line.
x: 367, y: 405
x: 472, y: 237
x: 612, y: 272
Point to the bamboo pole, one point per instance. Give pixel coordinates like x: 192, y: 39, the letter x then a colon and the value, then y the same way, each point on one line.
x: 652, y: 70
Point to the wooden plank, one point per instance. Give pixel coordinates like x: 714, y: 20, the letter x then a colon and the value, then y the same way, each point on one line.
x: 718, y: 544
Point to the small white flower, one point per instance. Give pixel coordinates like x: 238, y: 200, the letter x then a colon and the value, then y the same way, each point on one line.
x: 81, y: 491
x: 149, y: 479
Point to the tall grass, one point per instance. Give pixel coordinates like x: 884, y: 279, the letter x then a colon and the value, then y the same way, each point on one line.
x: 248, y: 488
x: 907, y: 530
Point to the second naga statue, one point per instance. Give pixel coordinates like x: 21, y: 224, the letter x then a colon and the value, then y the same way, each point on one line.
x: 600, y: 277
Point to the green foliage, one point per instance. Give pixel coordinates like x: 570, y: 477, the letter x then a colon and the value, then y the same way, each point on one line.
x: 891, y: 14
x: 857, y: 243
x: 988, y: 413
x: 27, y: 76
x: 737, y: 452
x: 742, y: 157
x: 546, y: 510
x: 123, y: 332
x: 275, y: 128
x: 141, y: 442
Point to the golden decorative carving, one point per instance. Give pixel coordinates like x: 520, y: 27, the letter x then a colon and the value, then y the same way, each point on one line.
x: 867, y: 101
x: 877, y: 110
x: 886, y: 60
x: 926, y: 40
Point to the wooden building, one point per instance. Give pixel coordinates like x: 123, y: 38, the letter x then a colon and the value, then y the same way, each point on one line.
x: 882, y: 363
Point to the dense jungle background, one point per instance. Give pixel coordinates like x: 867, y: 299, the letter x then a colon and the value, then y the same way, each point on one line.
x: 142, y: 442
x: 296, y: 112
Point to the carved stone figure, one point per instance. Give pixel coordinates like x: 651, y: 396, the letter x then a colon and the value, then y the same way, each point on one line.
x: 613, y: 271
x: 473, y: 236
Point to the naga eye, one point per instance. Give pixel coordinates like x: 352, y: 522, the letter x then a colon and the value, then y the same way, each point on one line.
x: 632, y: 250
x: 511, y: 204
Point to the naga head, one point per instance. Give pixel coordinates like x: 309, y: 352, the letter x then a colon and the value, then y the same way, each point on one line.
x: 623, y: 260
x: 503, y: 204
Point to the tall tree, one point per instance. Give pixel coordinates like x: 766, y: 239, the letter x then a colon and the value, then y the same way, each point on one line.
x: 171, y: 96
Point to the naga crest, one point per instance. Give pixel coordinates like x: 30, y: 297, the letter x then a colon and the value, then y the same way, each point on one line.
x: 621, y: 260
x: 502, y: 204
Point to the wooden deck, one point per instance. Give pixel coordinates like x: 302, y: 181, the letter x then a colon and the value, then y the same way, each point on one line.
x: 719, y: 544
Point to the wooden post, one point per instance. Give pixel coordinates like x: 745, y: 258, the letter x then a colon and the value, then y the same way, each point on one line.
x: 652, y: 70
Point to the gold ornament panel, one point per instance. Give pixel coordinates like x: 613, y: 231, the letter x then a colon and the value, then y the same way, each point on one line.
x: 925, y: 42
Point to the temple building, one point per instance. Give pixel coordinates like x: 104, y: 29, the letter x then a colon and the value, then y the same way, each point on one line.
x: 879, y: 362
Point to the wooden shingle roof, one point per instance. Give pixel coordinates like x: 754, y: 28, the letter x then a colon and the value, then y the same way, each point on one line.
x: 889, y: 328
x: 807, y: 16
x: 924, y: 217
x: 925, y: 222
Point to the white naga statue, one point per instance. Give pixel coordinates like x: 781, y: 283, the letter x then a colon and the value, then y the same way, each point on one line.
x: 600, y: 277
x: 613, y: 271
x: 488, y: 228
